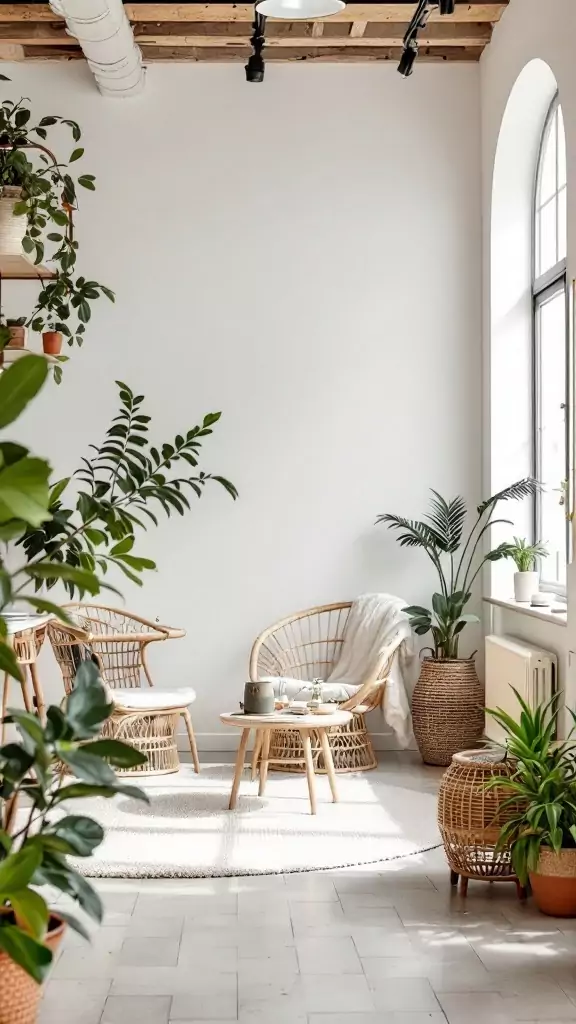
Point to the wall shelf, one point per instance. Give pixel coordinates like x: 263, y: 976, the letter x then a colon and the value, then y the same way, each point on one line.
x: 10, y: 355
x: 19, y: 268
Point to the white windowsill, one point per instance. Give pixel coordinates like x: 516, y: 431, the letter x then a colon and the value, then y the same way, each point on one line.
x: 559, y: 618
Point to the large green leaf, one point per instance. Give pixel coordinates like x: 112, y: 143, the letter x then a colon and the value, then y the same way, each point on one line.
x: 81, y: 833
x: 19, y: 384
x: 17, y: 869
x: 31, y: 912
x: 84, y: 580
x: 8, y: 662
x: 119, y: 754
x: 87, y: 767
x: 31, y: 955
x: 24, y: 491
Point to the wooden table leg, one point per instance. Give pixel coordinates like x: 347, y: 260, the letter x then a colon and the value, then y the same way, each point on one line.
x: 264, y: 760
x: 256, y: 752
x: 239, y: 768
x: 28, y: 702
x: 306, y: 744
x: 4, y: 706
x: 38, y: 693
x: 191, y: 739
x: 329, y: 763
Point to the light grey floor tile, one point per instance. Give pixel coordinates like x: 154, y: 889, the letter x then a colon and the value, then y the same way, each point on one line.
x: 136, y: 1010
x: 73, y: 1002
x: 167, y: 981
x: 474, y: 1008
x: 403, y: 994
x: 79, y: 962
x: 378, y: 941
x: 205, y: 1006
x: 377, y: 1018
x: 254, y: 968
x: 329, y: 993
x: 328, y: 956
x: 155, y: 927
x: 149, y: 952
x: 199, y: 957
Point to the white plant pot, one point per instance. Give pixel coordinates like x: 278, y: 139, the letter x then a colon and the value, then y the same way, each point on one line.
x: 525, y: 584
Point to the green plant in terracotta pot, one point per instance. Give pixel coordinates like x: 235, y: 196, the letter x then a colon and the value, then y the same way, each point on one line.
x: 447, y: 705
x: 542, y: 832
x: 63, y: 309
x: 39, y: 833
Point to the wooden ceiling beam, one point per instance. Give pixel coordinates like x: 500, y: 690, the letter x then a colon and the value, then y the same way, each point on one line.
x: 488, y: 11
x: 312, y: 53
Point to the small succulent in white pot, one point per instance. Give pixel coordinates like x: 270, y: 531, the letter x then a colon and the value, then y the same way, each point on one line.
x: 527, y: 578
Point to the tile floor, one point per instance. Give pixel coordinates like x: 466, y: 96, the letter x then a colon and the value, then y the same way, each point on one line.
x: 391, y: 943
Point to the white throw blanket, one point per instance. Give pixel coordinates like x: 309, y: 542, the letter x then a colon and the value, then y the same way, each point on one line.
x: 376, y: 625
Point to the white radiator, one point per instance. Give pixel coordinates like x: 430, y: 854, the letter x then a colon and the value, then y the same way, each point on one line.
x: 513, y: 663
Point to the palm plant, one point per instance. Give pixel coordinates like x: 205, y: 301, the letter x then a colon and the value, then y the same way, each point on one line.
x: 525, y: 554
x: 542, y: 788
x: 457, y: 558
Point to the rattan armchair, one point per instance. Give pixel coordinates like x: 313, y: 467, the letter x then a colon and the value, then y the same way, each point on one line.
x: 117, y: 641
x: 308, y: 645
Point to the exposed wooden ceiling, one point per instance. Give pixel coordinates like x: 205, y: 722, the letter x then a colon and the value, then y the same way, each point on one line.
x: 221, y: 32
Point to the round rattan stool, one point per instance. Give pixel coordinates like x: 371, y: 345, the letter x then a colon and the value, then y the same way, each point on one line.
x: 470, y: 819
x: 351, y: 747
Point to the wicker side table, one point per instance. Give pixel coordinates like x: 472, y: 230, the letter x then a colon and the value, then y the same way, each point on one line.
x: 470, y: 819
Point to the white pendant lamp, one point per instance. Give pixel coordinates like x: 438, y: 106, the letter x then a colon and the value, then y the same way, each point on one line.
x: 299, y: 10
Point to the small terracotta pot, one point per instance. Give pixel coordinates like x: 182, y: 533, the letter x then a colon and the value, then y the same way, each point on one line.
x: 18, y: 337
x: 52, y: 343
x: 19, y: 993
x: 554, y: 884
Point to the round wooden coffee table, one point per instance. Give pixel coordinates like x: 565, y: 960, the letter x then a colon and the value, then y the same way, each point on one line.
x: 305, y: 725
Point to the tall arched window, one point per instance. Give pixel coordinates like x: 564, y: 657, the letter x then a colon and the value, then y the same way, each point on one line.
x: 551, y: 354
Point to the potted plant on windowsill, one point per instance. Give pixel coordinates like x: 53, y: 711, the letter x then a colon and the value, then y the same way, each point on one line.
x: 38, y: 837
x: 542, y: 832
x: 526, y: 579
x: 447, y: 705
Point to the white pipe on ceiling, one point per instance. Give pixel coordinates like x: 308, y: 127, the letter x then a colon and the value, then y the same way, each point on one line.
x: 105, y: 35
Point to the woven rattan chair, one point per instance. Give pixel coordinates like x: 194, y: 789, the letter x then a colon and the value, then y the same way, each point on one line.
x: 144, y: 717
x: 305, y: 646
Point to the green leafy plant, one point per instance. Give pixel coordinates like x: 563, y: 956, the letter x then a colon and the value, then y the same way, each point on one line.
x: 524, y: 554
x: 35, y: 845
x: 457, y: 559
x: 125, y: 480
x: 63, y: 299
x: 46, y: 204
x: 5, y: 326
x: 542, y: 787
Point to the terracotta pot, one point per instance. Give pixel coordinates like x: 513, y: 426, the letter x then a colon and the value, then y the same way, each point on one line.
x: 52, y: 343
x: 447, y: 709
x: 19, y: 993
x: 18, y: 337
x: 554, y: 884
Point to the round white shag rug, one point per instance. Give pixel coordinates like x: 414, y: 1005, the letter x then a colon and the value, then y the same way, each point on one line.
x: 187, y: 831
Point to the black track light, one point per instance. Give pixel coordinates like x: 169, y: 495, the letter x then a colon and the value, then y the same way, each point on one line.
x: 255, y: 67
x: 446, y: 6
x: 407, y: 60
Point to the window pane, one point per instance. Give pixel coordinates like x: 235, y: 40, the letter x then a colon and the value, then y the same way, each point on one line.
x: 562, y: 225
x: 548, y: 184
x: 547, y: 220
x: 561, y: 150
x: 551, y: 325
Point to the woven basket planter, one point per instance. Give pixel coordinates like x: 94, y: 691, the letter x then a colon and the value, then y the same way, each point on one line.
x: 12, y: 229
x: 470, y: 818
x: 19, y: 993
x: 351, y: 747
x: 554, y: 884
x: 447, y: 709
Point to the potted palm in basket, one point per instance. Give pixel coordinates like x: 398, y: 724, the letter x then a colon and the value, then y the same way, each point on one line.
x: 447, y: 705
x: 542, y: 829
x: 38, y: 835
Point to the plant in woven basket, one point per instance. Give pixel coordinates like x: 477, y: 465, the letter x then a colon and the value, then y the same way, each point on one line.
x: 542, y: 788
x: 37, y: 834
x: 126, y: 479
x: 457, y: 558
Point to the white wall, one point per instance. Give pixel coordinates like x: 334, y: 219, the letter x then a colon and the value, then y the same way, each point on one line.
x: 522, y: 36
x: 305, y: 256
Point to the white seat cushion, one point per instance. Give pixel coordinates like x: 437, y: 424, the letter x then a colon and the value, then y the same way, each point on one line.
x: 300, y: 689
x: 152, y: 698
